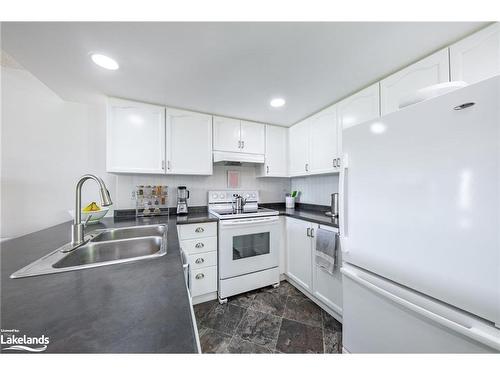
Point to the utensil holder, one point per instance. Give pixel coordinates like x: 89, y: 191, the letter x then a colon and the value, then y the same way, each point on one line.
x: 290, y: 202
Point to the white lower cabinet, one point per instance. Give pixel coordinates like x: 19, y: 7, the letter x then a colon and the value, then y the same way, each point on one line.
x: 299, y: 254
x: 199, y: 242
x: 301, y: 269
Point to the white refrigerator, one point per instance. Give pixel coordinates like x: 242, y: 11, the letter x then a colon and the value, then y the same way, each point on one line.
x: 420, y: 226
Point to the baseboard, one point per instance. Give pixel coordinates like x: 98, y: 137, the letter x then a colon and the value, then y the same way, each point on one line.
x: 204, y: 298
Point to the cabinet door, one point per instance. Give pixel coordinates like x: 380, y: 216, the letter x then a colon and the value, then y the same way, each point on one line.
x: 327, y: 287
x: 299, y: 256
x: 252, y: 137
x: 189, y: 143
x: 360, y: 107
x: 323, y: 149
x: 477, y: 57
x: 298, y: 149
x: 429, y: 71
x: 226, y: 134
x: 135, y: 137
x: 276, y: 151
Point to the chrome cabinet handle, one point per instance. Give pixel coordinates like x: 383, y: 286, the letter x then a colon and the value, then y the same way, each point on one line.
x: 199, y: 245
x: 199, y: 230
x: 199, y: 276
x: 312, y: 232
x: 163, y: 165
x: 307, y: 167
x: 308, y: 232
x: 239, y: 144
x: 199, y: 261
x: 338, y: 162
x: 267, y: 168
x: 168, y: 165
x: 334, y: 163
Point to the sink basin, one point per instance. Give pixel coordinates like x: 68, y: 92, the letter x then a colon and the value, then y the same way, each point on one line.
x: 131, y: 232
x: 101, y: 248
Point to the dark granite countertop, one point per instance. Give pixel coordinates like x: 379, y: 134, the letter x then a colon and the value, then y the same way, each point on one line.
x: 138, y: 307
x: 307, y: 212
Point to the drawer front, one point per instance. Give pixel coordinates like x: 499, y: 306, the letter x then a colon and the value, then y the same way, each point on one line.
x: 199, y: 245
x: 203, y: 281
x: 189, y: 231
x: 203, y: 260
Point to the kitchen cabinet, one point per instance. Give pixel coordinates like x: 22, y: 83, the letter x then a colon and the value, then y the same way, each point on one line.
x: 313, y: 144
x: 199, y: 243
x: 189, y: 143
x: 323, y: 138
x: 429, y: 71
x: 318, y: 284
x: 299, y: 254
x: 327, y: 287
x: 135, y: 137
x: 226, y: 134
x: 233, y: 135
x: 252, y: 137
x: 476, y: 57
x: 360, y: 107
x: 275, y: 164
x: 298, y: 148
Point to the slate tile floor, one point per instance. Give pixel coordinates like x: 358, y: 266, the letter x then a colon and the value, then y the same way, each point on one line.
x: 269, y: 320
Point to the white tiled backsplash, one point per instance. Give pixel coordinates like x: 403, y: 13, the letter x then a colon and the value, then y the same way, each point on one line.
x: 270, y: 189
x: 315, y: 189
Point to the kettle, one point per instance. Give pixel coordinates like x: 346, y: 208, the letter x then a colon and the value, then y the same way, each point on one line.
x: 238, y: 202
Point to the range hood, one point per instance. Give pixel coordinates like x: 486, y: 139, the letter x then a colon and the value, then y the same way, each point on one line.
x: 237, y: 158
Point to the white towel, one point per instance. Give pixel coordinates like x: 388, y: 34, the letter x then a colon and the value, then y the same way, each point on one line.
x: 326, y: 242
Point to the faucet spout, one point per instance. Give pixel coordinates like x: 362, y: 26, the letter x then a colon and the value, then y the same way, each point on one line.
x: 77, y: 229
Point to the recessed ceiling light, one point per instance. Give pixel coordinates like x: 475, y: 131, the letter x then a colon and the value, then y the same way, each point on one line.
x: 104, y: 61
x: 278, y: 102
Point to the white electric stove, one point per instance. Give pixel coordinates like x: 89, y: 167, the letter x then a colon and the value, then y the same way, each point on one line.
x: 248, y: 242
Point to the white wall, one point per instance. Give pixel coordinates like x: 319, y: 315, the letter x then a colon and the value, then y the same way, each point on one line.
x: 46, y: 145
x: 315, y: 189
x: 270, y: 189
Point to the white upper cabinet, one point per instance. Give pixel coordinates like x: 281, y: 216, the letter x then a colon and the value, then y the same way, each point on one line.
x: 227, y: 134
x: 476, y: 57
x: 189, y: 143
x: 432, y: 70
x: 313, y: 144
x: 252, y: 137
x: 323, y: 148
x: 298, y: 149
x: 233, y: 135
x: 276, y: 152
x: 135, y: 137
x: 360, y: 107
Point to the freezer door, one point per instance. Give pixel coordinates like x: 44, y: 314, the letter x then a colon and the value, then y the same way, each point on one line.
x: 421, y: 198
x: 383, y: 317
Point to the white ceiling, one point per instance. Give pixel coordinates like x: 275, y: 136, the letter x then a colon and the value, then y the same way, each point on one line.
x: 230, y: 69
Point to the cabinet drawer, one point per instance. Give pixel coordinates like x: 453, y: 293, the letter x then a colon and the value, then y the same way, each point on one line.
x: 203, y: 281
x: 189, y: 231
x: 199, y: 245
x: 203, y: 260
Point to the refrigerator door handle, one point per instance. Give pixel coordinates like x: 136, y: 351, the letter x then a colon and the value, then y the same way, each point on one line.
x: 343, y: 230
x: 489, y: 339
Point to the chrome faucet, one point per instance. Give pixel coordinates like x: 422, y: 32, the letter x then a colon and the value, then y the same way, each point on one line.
x: 77, y: 227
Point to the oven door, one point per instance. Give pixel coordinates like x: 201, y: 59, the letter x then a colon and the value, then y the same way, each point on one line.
x: 248, y: 245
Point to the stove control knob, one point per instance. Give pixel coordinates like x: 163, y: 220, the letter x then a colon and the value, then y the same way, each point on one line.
x: 247, y: 196
x: 221, y: 196
x: 214, y: 195
x: 253, y: 195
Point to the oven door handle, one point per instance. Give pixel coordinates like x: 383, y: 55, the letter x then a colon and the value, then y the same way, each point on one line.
x: 260, y: 220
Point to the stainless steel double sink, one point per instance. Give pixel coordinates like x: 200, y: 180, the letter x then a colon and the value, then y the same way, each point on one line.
x: 101, y: 248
